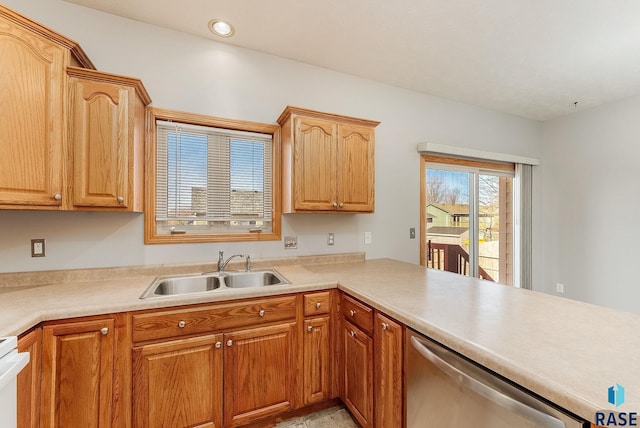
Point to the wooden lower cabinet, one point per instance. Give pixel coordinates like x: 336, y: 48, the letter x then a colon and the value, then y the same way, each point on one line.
x: 259, y: 373
x: 78, y: 374
x: 388, y: 372
x: 357, y: 394
x: 29, y: 380
x: 316, y: 350
x: 178, y: 383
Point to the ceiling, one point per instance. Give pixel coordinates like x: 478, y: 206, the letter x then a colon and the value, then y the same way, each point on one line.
x: 532, y: 58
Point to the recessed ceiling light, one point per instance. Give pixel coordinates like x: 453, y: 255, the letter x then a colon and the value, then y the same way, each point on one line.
x: 221, y: 28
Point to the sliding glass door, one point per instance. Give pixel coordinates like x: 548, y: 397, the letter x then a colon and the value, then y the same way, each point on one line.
x: 467, y: 218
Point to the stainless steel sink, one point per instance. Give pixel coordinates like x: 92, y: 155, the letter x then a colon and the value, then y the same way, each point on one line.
x: 171, y: 286
x: 211, y: 282
x: 252, y: 279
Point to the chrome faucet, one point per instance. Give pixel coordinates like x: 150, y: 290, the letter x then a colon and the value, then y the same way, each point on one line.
x: 222, y: 263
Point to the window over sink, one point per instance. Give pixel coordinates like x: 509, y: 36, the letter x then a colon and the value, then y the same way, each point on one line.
x: 211, y: 179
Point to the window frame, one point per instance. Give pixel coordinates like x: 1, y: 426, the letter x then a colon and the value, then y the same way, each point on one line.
x: 151, y: 235
x: 475, y: 166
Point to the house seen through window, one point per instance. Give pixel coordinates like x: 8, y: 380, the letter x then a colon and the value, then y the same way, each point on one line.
x: 468, y: 218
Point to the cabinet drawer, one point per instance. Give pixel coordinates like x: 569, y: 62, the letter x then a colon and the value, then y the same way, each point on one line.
x: 357, y: 313
x: 181, y: 322
x: 317, y: 303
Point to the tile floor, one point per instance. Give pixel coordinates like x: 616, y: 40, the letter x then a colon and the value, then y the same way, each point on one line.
x: 333, y: 417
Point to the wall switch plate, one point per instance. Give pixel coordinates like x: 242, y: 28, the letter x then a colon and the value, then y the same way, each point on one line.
x: 560, y: 288
x: 367, y: 238
x: 330, y: 238
x: 412, y: 233
x: 37, y: 248
x: 290, y: 242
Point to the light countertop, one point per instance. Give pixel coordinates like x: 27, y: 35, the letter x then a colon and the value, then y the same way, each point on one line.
x: 566, y: 351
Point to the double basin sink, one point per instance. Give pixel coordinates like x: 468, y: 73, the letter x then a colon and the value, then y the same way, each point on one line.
x: 212, y: 282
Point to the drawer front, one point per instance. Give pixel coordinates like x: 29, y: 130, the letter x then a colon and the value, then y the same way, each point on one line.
x: 357, y: 313
x: 214, y: 318
x: 317, y: 303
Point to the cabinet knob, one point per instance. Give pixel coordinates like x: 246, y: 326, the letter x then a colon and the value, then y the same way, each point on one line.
x: 120, y: 199
x: 261, y: 313
x: 335, y: 205
x: 229, y: 342
x: 104, y: 330
x: 181, y: 324
x: 352, y: 313
x: 310, y: 328
x: 57, y: 197
x: 385, y: 326
x: 318, y: 305
x: 353, y: 333
x: 341, y: 204
x: 218, y: 344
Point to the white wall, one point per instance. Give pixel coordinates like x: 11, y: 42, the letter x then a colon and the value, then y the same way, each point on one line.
x: 591, y: 204
x: 198, y: 75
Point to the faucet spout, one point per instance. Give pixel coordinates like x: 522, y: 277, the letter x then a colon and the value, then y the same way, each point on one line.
x: 222, y: 263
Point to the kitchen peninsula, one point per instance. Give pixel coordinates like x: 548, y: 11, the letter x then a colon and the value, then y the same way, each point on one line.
x: 565, y: 351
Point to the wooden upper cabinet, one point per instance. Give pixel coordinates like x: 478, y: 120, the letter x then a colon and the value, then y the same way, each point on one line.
x: 32, y: 87
x: 328, y: 162
x: 107, y: 136
x: 314, y: 164
x: 72, y: 138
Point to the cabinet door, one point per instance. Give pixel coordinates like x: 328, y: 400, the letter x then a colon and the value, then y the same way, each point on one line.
x: 29, y: 381
x: 178, y: 384
x: 259, y: 373
x: 316, y: 360
x: 355, y: 160
x: 31, y: 108
x: 77, y: 374
x: 314, y: 175
x: 388, y: 363
x: 100, y: 134
x: 358, y: 373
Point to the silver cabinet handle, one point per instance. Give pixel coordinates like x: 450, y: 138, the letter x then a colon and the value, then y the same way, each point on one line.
x: 120, y: 199
x: 310, y: 328
x: 318, y: 305
x: 353, y: 333
x: 261, y: 313
x: 335, y: 205
x: 181, y: 324
x: 352, y: 313
x: 218, y: 344
x: 385, y: 326
x: 57, y: 196
x: 341, y: 204
x: 229, y: 342
x: 104, y: 330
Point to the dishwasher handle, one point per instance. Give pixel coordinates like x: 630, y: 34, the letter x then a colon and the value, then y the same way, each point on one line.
x: 477, y: 385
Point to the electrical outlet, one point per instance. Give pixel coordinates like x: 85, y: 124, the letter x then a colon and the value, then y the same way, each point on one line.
x: 37, y: 248
x: 412, y: 233
x: 330, y: 238
x: 290, y: 242
x: 560, y: 288
x: 367, y: 238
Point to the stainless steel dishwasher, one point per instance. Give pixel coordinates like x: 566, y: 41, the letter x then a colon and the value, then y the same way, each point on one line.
x: 446, y: 390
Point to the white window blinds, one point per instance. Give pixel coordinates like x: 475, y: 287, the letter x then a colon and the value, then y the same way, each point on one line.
x: 212, y: 180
